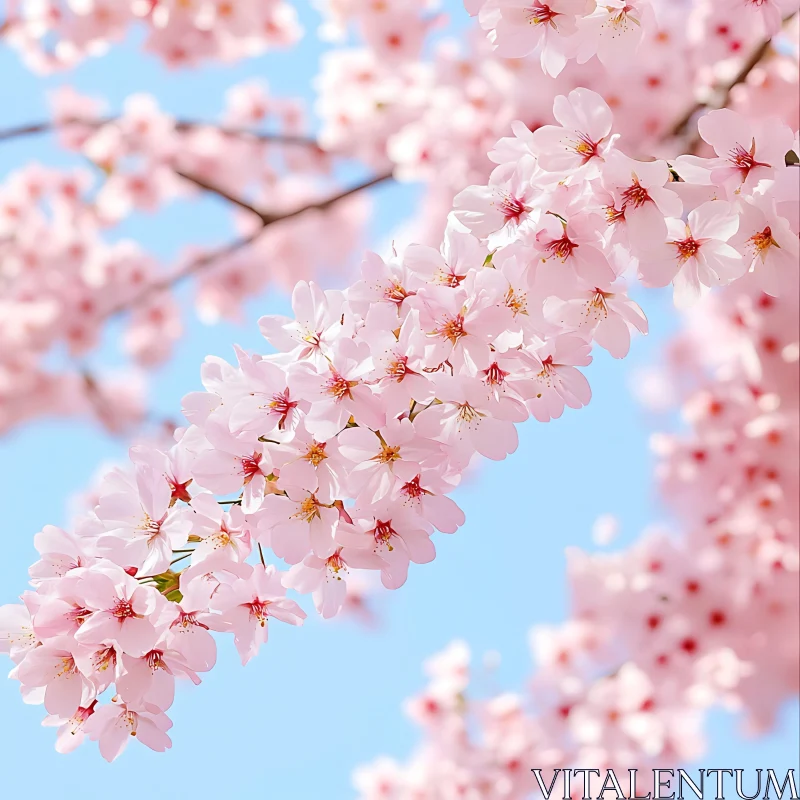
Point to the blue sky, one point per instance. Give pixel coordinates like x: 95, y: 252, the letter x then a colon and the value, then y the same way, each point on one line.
x: 321, y: 699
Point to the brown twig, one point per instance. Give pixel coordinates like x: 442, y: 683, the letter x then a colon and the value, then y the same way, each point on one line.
x: 220, y: 192
x: 724, y: 92
x: 208, y: 259
x: 49, y: 126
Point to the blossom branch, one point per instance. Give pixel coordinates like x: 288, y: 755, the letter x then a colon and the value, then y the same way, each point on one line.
x: 209, y: 259
x: 222, y: 193
x: 49, y: 126
x: 724, y: 92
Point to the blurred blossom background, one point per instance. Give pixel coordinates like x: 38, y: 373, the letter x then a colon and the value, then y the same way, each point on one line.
x: 584, y: 480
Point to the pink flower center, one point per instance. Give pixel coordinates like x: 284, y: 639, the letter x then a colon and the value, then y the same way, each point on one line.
x: 77, y: 615
x: 613, y: 215
x: 67, y: 667
x: 155, y: 660
x: 383, y: 532
x: 308, y: 509
x: 187, y: 620
x: 105, y: 658
x: 412, y: 489
x: 541, y: 14
x: 283, y: 406
x: 511, y: 208
x: 396, y: 293
x: 398, y: 368
x: 316, y: 453
x: 152, y: 527
x: 561, y: 248
x: 518, y: 303
x: 467, y: 414
x: 123, y: 609
x: 336, y: 565
x: 687, y: 248
x: 494, y: 376
x: 621, y: 16
x: 251, y: 465
x: 258, y: 610
x: 547, y: 372
x: 388, y: 454
x: 180, y: 491
x: 745, y: 160
x: 339, y: 387
x: 761, y: 242
x: 586, y: 148
x: 597, y: 305
x: 452, y: 328
x: 635, y: 195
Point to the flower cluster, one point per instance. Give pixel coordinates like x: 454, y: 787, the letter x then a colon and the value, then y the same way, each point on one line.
x: 434, y: 119
x: 337, y: 452
x: 62, y: 281
x: 664, y: 630
x: 693, y: 222
x: 402, y: 112
x: 611, y: 30
x: 53, y: 35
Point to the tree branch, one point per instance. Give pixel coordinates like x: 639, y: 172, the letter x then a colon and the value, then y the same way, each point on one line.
x: 209, y: 259
x: 49, y: 126
x: 220, y: 192
x: 724, y: 92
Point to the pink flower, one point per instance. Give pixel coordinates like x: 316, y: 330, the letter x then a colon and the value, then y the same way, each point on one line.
x: 559, y: 383
x: 317, y: 324
x: 123, y: 610
x: 246, y: 605
x: 641, y: 202
x: 71, y: 730
x: 53, y: 667
x: 389, y: 283
x: 265, y: 403
x: 614, y: 31
x: 60, y: 553
x: 149, y: 681
x: 113, y: 725
x: 460, y: 327
x: 305, y: 463
x: 338, y: 391
x: 141, y: 528
x: 518, y: 27
x: 748, y: 152
x: 459, y: 254
x: 398, y: 360
x: 16, y: 631
x: 326, y: 578
x: 606, y: 314
x: 397, y: 537
x: 189, y: 631
x: 572, y: 244
x: 697, y: 255
x: 469, y: 420
x: 769, y: 246
x: 298, y: 523
x: 225, y: 535
x: 583, y: 138
x: 505, y: 209
x: 233, y: 464
x: 396, y: 453
x: 425, y: 494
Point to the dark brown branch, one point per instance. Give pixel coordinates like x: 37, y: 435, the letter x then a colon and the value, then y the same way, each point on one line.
x: 724, y: 92
x: 49, y: 126
x: 220, y: 192
x: 209, y: 259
